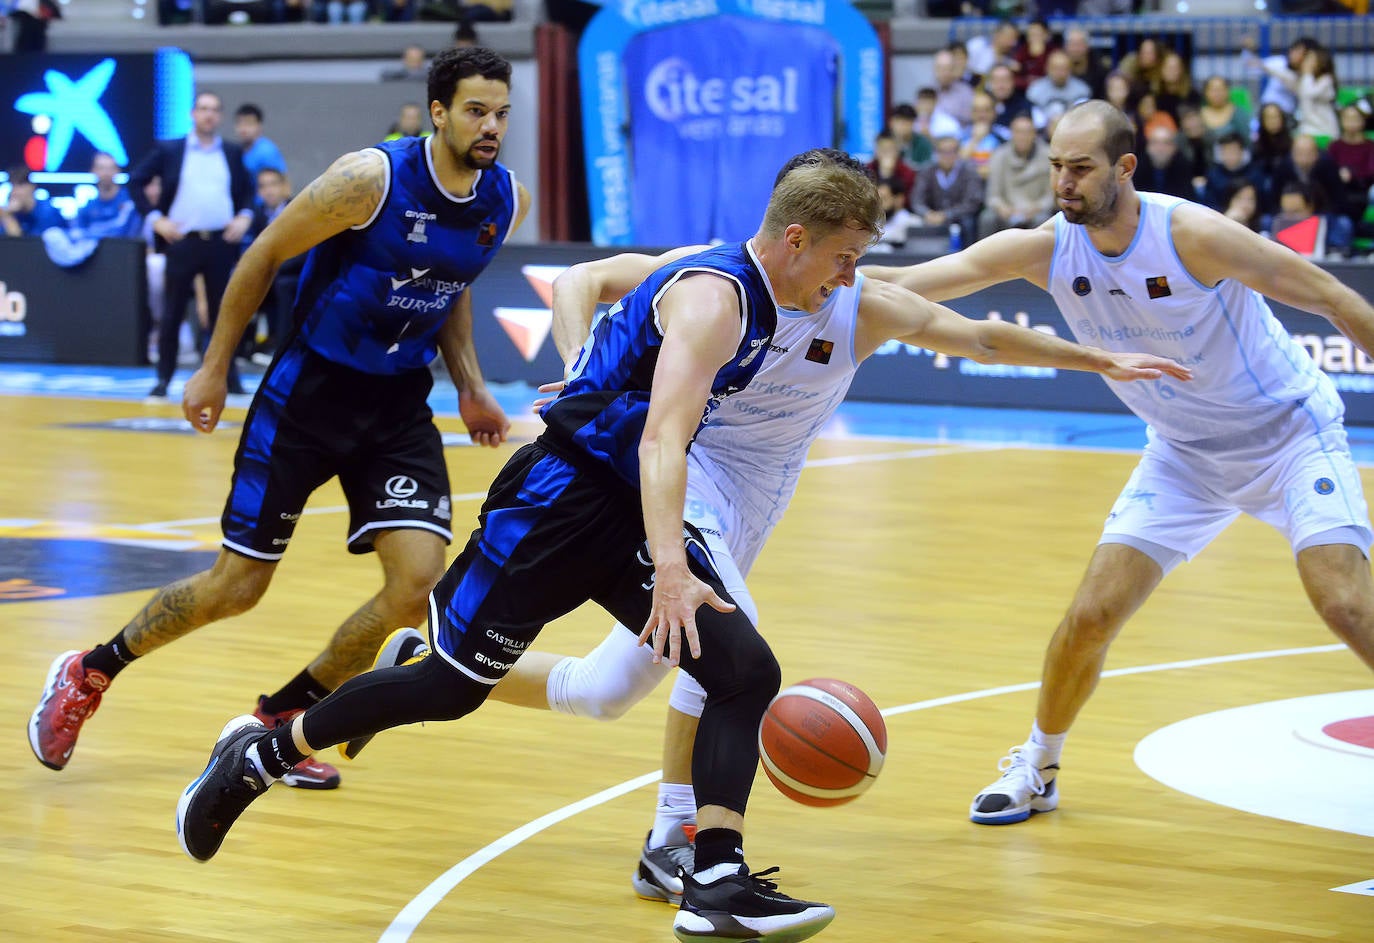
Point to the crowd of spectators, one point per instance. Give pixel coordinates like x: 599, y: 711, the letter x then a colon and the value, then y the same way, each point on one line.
x: 971, y: 147
x: 333, y: 11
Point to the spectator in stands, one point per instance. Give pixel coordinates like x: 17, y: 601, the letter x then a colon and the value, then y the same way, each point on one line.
x: 1221, y: 115
x: 1058, y: 88
x: 1086, y: 63
x: 486, y: 11
x: 205, y: 209
x: 895, y: 179
x: 112, y: 213
x: 1297, y: 204
x: 414, y: 66
x: 1232, y: 168
x: 397, y: 11
x: 1313, y: 87
x: 24, y: 214
x: 953, y: 96
x: 1105, y: 7
x: 1163, y: 168
x: 274, y: 192
x: 984, y: 52
x: 914, y: 144
x: 410, y: 123
x: 1273, y: 141
x: 1143, y: 66
x: 1275, y: 91
x: 1018, y: 193
x: 1193, y: 144
x: 1149, y: 117
x: 465, y: 36
x: 1316, y: 171
x: 949, y: 193
x: 960, y: 53
x: 983, y: 136
x: 1243, y: 205
x: 1007, y: 100
x: 1032, y: 54
x: 1353, y: 154
x: 1175, y: 86
x: 1116, y: 89
x: 337, y: 11
x: 30, y: 18
x: 259, y: 152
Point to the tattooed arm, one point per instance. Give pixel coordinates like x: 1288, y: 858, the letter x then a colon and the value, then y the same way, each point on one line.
x: 345, y: 195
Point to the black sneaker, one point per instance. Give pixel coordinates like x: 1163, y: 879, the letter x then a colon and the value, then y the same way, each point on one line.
x: 212, y: 803
x: 744, y: 906
x: 659, y: 875
x: 158, y: 394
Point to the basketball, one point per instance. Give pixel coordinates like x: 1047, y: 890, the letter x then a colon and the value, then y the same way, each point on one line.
x: 822, y: 742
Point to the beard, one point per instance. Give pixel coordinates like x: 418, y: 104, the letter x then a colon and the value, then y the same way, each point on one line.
x: 474, y: 161
x: 1100, y: 215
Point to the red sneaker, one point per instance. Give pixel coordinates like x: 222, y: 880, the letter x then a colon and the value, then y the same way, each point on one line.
x: 70, y: 695
x: 309, y: 773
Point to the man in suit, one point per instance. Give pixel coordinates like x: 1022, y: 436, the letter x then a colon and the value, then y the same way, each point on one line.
x: 951, y: 192
x: 199, y: 222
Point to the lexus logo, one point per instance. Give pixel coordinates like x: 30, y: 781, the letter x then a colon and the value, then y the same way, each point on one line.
x: 401, y: 486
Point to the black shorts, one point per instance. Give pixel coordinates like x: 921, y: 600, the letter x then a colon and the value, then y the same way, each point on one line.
x: 551, y: 537
x: 313, y: 419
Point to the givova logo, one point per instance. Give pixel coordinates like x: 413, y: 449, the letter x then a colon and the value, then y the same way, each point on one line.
x: 69, y: 107
x: 674, y: 92
x: 14, y: 309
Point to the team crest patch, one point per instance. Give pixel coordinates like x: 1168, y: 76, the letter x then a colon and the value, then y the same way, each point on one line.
x: 820, y: 351
x: 1158, y: 286
x: 1324, y: 486
x: 1081, y: 286
x: 486, y: 234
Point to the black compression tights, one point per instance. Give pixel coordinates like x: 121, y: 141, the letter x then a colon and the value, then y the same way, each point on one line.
x: 430, y: 689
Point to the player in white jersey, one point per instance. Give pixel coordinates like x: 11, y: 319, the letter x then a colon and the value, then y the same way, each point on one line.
x: 743, y: 468
x: 1259, y: 430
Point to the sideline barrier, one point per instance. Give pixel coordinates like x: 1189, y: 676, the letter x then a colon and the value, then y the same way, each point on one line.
x: 91, y: 314
x: 94, y: 314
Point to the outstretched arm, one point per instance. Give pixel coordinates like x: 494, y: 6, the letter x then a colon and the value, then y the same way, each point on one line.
x: 581, y: 287
x: 344, y: 195
x: 1001, y: 257
x: 1217, y: 247
x: 888, y: 311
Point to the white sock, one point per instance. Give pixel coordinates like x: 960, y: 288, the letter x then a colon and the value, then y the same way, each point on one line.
x: 677, y: 803
x: 255, y: 761
x: 1051, y: 744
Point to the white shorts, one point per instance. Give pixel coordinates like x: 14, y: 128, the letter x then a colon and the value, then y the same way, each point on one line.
x: 1295, y: 474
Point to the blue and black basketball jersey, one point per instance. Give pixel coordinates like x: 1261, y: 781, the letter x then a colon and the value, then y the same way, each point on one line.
x: 374, y: 297
x: 602, y: 409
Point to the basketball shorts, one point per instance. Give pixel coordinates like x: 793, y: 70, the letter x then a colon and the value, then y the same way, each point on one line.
x: 1295, y: 474
x: 552, y: 536
x: 313, y: 419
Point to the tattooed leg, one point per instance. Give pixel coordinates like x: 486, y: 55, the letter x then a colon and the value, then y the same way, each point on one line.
x: 412, y: 562
x: 232, y: 586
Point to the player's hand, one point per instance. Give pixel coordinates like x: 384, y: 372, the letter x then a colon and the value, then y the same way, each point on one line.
x: 168, y: 230
x: 677, y: 596
x: 486, y: 420
x: 555, y: 388
x: 1127, y: 367
x: 203, y: 399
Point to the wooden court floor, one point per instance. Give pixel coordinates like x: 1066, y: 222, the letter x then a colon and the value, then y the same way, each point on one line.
x: 917, y: 572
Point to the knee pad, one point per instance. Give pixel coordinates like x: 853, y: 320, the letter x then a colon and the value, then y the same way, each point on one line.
x: 688, y: 696
x: 611, y: 679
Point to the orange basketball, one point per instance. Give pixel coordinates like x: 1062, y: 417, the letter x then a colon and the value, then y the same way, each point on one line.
x: 822, y: 742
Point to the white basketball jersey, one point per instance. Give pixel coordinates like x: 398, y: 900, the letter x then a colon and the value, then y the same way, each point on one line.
x: 756, y: 441
x: 1246, y: 368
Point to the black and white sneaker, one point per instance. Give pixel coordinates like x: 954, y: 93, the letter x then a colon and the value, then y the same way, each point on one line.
x: 1027, y: 786
x: 744, y: 906
x: 211, y: 804
x: 659, y: 875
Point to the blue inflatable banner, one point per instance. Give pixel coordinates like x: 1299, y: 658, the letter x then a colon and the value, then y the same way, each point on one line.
x: 689, y: 107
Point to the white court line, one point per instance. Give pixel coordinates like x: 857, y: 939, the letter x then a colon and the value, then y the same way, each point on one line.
x: 405, y: 923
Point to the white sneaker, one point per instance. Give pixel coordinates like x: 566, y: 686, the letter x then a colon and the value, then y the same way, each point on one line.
x: 1024, y: 788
